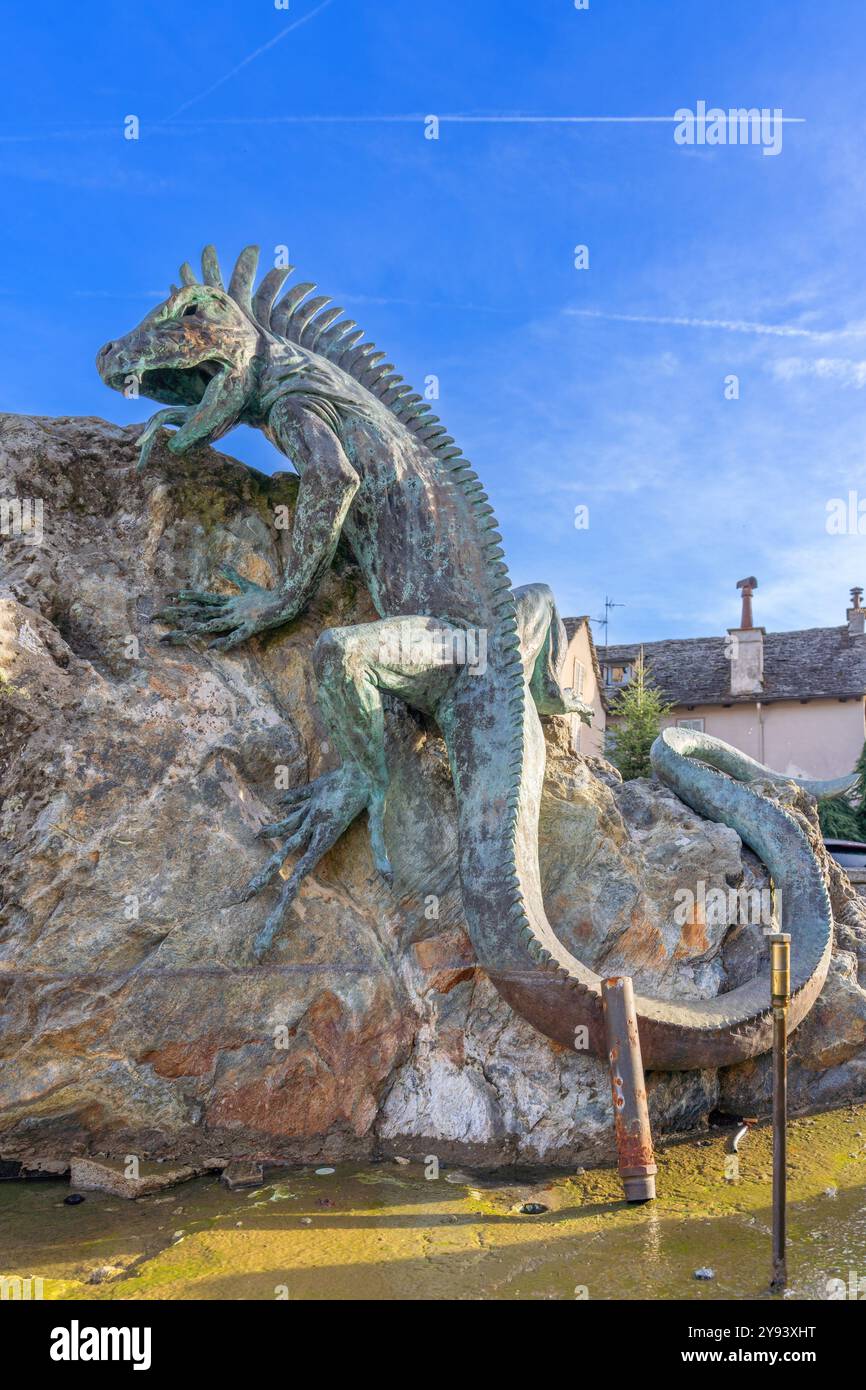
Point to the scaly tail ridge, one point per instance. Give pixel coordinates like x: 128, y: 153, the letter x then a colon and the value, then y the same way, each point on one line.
x: 499, y: 780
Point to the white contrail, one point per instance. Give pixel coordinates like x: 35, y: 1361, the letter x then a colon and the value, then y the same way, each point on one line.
x: 775, y: 330
x: 170, y: 125
x: 449, y: 118
x: 251, y: 57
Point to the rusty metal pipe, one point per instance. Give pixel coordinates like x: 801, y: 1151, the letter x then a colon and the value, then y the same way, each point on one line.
x: 634, y: 1143
x: 780, y: 985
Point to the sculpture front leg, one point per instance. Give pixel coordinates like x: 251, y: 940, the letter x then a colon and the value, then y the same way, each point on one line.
x: 227, y: 619
x: 326, y: 490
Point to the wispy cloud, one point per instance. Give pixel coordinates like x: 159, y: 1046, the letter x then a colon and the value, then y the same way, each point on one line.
x: 807, y: 585
x: 448, y: 306
x: 118, y: 294
x: 773, y: 330
x: 841, y: 370
x: 108, y: 176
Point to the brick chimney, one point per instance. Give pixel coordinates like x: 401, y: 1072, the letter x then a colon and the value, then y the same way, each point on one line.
x: 745, y: 647
x: 856, y: 614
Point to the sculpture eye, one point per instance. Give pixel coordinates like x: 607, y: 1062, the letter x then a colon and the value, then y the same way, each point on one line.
x: 190, y: 309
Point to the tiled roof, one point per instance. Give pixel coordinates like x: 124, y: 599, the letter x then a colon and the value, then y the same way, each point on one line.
x: 817, y: 663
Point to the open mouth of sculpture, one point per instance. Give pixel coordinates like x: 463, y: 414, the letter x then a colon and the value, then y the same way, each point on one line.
x: 179, y: 385
x: 172, y: 385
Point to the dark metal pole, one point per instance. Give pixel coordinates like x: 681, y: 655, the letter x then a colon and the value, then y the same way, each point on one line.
x: 634, y: 1142
x: 780, y: 984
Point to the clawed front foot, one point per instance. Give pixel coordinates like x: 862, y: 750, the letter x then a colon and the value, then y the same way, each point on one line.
x: 172, y: 415
x: 319, y: 814
x: 574, y: 705
x: 236, y: 617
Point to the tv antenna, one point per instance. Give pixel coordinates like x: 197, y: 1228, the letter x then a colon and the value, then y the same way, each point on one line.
x: 605, y: 621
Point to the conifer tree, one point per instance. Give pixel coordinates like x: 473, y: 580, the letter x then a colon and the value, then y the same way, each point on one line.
x: 844, y: 817
x: 638, y: 709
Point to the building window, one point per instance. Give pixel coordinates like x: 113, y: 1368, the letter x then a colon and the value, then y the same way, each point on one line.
x: 578, y: 678
x: 619, y: 674
x: 691, y: 724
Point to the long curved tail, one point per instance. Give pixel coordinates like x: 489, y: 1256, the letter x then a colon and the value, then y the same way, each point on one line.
x: 499, y: 781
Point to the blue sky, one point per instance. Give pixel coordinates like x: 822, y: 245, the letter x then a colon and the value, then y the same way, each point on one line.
x: 602, y: 387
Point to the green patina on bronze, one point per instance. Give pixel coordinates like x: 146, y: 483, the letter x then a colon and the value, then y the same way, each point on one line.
x: 453, y: 640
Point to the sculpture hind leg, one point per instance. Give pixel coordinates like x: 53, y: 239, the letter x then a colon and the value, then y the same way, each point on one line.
x: 410, y: 657
x: 416, y: 659
x: 543, y: 642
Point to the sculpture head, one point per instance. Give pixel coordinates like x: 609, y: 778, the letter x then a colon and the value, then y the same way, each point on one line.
x: 198, y: 352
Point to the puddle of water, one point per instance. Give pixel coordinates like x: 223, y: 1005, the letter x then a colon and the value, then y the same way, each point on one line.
x: 386, y: 1232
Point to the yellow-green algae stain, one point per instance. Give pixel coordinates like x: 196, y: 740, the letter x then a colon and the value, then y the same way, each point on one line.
x: 386, y: 1231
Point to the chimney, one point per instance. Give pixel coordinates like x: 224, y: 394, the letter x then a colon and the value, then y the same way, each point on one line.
x: 856, y: 615
x: 748, y: 587
x: 745, y: 648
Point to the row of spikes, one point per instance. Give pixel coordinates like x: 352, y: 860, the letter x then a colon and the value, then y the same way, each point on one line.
x: 310, y: 324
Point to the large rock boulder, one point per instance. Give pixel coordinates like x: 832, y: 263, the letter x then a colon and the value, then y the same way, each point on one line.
x: 134, y: 776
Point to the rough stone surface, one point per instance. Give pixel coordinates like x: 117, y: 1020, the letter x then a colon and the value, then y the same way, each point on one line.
x: 98, y: 1175
x: 133, y: 778
x: 242, y: 1174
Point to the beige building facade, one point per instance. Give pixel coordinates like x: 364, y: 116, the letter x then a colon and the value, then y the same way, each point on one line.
x: 795, y: 701
x: 580, y: 671
x: 818, y: 738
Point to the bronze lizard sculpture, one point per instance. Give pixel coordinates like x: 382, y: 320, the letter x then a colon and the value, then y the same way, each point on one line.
x: 377, y: 467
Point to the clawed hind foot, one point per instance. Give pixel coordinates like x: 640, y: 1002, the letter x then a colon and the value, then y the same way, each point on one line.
x: 572, y: 704
x: 552, y: 698
x: 319, y: 814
